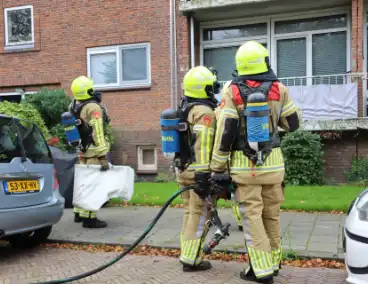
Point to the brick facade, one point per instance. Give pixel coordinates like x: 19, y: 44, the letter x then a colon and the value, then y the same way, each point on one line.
x: 63, y: 31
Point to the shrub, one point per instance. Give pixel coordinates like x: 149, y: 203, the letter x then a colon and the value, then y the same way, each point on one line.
x: 50, y: 103
x: 359, y: 171
x: 62, y: 144
x: 303, y: 158
x: 27, y: 112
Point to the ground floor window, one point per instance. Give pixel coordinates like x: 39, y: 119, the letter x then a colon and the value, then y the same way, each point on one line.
x: 309, y: 47
x: 147, y: 158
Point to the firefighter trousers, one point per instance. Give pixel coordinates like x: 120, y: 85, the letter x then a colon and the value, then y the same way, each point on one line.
x: 195, y: 229
x: 259, y: 206
x: 237, y: 214
x: 82, y: 212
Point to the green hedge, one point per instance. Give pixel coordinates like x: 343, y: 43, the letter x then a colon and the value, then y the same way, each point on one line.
x: 303, y: 158
x: 27, y: 112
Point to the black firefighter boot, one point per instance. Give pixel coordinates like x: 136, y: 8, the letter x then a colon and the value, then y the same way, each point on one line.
x: 204, y: 265
x: 77, y: 218
x: 249, y: 275
x: 93, y: 223
x: 277, y: 271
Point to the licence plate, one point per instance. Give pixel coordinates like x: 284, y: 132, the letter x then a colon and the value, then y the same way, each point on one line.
x: 21, y: 186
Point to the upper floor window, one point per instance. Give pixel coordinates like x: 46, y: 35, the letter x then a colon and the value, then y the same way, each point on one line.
x: 313, y: 49
x: 121, y: 66
x: 19, y: 27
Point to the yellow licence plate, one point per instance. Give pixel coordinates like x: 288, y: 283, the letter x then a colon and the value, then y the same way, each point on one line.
x: 21, y: 186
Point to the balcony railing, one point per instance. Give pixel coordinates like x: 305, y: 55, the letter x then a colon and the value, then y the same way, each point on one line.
x: 334, y: 79
x: 326, y: 97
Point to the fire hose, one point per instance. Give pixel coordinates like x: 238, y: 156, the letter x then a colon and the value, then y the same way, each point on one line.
x: 221, y: 233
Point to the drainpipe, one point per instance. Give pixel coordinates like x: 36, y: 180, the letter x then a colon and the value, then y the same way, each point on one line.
x: 192, y: 53
x: 175, y: 60
x: 171, y: 57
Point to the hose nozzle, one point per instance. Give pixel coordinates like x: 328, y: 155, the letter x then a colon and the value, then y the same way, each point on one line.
x: 219, y: 235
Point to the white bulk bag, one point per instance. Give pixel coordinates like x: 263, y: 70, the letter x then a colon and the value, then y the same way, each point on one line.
x: 92, y: 188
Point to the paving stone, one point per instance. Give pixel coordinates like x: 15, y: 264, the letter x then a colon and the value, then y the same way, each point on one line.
x: 322, y: 247
x: 127, y: 223
x: 52, y: 264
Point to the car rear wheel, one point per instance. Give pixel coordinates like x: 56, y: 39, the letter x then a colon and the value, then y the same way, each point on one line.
x: 30, y: 239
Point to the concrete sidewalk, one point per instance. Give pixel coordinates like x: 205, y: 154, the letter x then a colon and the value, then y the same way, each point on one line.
x: 308, y: 234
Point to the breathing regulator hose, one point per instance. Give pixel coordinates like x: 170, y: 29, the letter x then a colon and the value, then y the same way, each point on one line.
x: 128, y: 250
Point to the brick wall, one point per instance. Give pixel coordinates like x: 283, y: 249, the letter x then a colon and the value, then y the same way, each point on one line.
x: 340, y: 153
x: 63, y: 31
x: 357, y: 26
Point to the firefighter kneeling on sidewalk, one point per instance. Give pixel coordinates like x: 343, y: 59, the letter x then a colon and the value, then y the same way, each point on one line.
x: 192, y: 162
x: 94, y: 119
x: 253, y: 106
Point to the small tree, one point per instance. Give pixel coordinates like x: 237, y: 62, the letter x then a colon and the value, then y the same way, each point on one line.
x: 50, y: 103
x: 303, y: 158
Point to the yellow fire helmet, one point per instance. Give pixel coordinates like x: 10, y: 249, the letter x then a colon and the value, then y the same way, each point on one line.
x: 198, y: 83
x: 251, y: 58
x: 81, y: 87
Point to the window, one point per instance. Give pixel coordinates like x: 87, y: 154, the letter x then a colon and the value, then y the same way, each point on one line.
x: 19, y: 27
x: 34, y: 144
x: 124, y: 66
x: 312, y: 48
x: 221, y: 44
x: 147, y: 158
x: 16, y: 96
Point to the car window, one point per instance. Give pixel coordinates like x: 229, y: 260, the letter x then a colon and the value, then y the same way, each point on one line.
x: 34, y: 144
x: 9, y: 143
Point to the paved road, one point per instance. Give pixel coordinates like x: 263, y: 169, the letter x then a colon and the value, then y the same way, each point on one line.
x: 21, y: 267
x: 316, y: 235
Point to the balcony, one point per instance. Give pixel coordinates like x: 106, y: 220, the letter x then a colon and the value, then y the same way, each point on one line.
x: 223, y: 10
x: 329, y: 102
x: 192, y: 5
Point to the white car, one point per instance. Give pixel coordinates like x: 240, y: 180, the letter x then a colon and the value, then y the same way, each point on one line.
x: 355, y: 240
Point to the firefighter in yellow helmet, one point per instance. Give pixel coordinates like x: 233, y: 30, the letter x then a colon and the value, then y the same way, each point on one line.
x: 86, y: 107
x: 197, y: 109
x: 234, y: 205
x: 252, y: 108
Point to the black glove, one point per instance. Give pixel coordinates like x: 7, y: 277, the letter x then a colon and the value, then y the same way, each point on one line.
x: 104, y: 164
x: 202, y: 184
x: 220, y: 183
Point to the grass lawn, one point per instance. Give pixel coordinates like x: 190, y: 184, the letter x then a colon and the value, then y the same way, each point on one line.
x: 307, y: 198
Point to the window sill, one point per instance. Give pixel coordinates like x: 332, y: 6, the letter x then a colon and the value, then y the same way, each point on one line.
x: 147, y: 171
x: 20, y: 48
x: 127, y: 87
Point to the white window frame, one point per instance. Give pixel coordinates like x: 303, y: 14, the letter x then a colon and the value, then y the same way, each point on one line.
x: 6, y: 10
x: 141, y: 166
x: 117, y: 50
x: 212, y: 44
x: 16, y: 93
x: 308, y: 35
x: 272, y: 37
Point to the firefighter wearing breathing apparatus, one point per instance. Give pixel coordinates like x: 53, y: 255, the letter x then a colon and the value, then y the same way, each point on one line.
x: 234, y: 205
x: 187, y: 138
x: 94, y: 145
x: 252, y: 108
